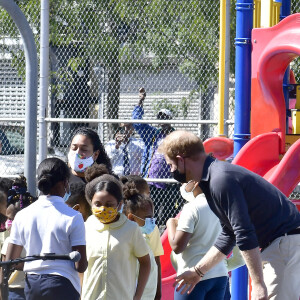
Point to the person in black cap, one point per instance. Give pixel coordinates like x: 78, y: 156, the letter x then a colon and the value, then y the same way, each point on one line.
x: 153, y: 163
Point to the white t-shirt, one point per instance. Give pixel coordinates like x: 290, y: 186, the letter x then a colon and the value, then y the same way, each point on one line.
x: 112, y: 251
x: 197, y: 218
x: 49, y: 226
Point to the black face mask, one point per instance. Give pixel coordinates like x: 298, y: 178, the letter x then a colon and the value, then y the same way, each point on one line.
x: 180, y: 177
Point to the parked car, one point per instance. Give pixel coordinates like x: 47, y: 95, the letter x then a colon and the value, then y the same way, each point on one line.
x: 12, y: 151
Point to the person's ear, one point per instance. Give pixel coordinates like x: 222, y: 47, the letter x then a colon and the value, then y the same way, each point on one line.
x: 180, y: 159
x: 130, y: 216
x: 76, y: 207
x: 96, y: 154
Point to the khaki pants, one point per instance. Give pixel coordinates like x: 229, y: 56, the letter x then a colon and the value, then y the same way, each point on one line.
x: 281, y: 268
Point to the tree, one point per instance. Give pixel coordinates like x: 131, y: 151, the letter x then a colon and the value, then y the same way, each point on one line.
x: 121, y: 34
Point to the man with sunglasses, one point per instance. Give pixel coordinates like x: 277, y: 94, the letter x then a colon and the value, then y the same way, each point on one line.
x: 253, y: 213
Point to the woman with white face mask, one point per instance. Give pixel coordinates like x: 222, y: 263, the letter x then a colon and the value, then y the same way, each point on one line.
x: 85, y: 150
x: 190, y: 237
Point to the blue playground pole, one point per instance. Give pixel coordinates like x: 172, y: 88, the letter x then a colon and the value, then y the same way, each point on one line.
x: 285, y: 9
x: 244, y: 25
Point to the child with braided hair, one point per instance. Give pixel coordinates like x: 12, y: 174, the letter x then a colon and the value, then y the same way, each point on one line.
x: 139, y: 208
x: 154, y: 237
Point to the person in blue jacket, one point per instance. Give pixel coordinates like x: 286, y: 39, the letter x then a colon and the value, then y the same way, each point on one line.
x: 153, y: 163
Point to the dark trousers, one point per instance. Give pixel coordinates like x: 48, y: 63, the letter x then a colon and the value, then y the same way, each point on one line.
x: 210, y: 289
x: 227, y: 295
x: 49, y: 287
x: 16, y: 294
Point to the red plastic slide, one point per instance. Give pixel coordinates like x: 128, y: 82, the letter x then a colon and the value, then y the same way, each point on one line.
x: 272, y: 50
x: 261, y: 155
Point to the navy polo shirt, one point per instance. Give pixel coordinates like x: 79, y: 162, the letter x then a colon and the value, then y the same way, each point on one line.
x: 251, y: 210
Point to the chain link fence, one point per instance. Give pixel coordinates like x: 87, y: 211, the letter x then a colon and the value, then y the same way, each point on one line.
x: 101, y: 53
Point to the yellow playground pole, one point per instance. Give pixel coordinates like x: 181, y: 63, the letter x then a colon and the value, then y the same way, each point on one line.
x: 256, y: 13
x: 222, y: 65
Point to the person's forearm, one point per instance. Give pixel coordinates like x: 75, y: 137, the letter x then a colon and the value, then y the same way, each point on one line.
x: 188, y: 280
x: 145, y: 267
x: 171, y: 233
x: 210, y: 259
x: 158, y: 289
x: 254, y: 264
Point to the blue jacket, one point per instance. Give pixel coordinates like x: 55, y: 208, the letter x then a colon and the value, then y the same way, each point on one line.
x: 153, y: 163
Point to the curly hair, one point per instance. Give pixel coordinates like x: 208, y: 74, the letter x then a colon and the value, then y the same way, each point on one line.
x: 97, y: 145
x: 134, y: 201
x: 140, y: 183
x: 95, y: 171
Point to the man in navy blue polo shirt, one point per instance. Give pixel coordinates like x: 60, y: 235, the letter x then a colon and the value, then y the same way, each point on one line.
x: 253, y: 213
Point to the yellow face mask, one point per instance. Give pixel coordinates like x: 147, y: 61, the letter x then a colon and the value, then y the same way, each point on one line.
x: 105, y: 214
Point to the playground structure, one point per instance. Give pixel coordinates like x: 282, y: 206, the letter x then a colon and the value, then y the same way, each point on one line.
x: 270, y: 153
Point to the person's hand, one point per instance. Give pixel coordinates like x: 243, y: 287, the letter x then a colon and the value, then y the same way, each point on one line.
x: 187, y: 281
x: 119, y: 138
x: 259, y: 291
x: 172, y: 221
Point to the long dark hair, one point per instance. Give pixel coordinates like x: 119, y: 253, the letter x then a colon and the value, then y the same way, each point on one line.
x: 97, y: 145
x: 50, y: 172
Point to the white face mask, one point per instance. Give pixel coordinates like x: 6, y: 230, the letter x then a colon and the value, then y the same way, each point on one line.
x: 79, y: 164
x: 188, y: 196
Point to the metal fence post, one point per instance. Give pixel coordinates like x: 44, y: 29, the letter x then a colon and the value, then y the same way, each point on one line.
x: 31, y: 91
x: 44, y: 78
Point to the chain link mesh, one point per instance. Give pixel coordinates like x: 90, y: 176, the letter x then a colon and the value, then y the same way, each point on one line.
x: 101, y: 53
